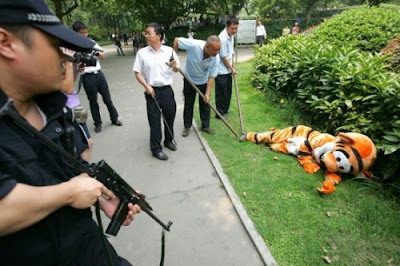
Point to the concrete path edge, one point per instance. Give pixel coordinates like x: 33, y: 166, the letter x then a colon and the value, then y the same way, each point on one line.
x: 258, y: 241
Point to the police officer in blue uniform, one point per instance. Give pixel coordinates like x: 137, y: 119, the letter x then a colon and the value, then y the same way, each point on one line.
x: 45, y: 203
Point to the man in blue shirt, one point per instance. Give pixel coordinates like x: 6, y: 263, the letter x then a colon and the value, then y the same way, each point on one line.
x: 201, y: 68
x: 223, y: 82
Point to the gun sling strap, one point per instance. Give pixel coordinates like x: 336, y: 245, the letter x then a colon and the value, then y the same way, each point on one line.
x: 5, y: 110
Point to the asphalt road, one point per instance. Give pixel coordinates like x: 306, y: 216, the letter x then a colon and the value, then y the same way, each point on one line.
x: 210, y: 227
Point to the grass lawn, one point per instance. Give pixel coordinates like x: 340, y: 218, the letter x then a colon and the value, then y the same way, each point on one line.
x: 357, y: 225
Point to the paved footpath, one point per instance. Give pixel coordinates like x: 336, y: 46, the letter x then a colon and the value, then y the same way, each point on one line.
x: 210, y: 226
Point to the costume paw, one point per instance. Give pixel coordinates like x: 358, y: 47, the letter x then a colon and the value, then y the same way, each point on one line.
x: 328, y: 187
x: 311, y: 168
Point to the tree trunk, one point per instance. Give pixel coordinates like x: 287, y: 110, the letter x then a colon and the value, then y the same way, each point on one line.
x: 309, y: 8
x: 58, y: 9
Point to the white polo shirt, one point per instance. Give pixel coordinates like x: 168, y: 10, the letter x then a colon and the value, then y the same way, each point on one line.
x: 226, y: 51
x: 152, y: 65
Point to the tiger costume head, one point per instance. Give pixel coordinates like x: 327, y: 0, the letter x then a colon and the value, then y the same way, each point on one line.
x: 351, y: 153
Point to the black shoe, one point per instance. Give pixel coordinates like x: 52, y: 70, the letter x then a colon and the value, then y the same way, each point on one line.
x: 208, y: 130
x: 217, y: 117
x: 185, y: 132
x: 97, y: 129
x: 117, y: 123
x: 170, y: 146
x: 161, y: 156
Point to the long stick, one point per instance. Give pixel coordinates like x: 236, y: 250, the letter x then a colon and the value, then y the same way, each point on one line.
x: 212, y: 107
x: 239, y: 105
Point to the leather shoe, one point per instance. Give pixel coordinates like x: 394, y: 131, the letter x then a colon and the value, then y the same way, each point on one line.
x: 208, y: 130
x: 97, y: 129
x: 161, y: 156
x: 217, y: 117
x: 170, y: 146
x: 185, y: 132
x: 117, y: 123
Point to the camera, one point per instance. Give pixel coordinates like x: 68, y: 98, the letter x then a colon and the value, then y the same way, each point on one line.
x: 88, y: 59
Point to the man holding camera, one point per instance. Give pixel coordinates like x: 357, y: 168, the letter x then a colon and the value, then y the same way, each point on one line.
x: 44, y: 201
x: 94, y: 82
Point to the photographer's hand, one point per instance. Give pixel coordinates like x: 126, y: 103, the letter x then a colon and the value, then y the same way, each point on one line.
x: 68, y: 53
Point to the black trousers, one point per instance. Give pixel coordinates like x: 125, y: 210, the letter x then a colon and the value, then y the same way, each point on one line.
x: 260, y: 40
x: 97, y: 83
x: 223, y: 92
x: 82, y: 247
x: 190, y: 97
x: 166, y: 101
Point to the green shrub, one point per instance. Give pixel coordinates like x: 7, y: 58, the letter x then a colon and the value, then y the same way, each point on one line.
x: 366, y: 28
x: 337, y: 89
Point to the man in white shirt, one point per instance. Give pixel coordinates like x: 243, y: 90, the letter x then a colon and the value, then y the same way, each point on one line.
x: 155, y: 76
x: 95, y: 82
x: 223, y: 82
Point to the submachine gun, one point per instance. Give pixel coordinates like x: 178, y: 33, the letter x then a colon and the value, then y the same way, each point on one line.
x: 100, y: 171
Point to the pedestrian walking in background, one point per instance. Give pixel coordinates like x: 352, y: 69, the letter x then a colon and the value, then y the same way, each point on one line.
x: 295, y: 29
x: 118, y: 46
x: 261, y: 34
x: 286, y: 31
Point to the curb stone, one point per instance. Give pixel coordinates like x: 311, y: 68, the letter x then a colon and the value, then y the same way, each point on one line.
x: 258, y: 241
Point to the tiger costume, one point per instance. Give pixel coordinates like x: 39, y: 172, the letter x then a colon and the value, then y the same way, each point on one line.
x: 350, y: 152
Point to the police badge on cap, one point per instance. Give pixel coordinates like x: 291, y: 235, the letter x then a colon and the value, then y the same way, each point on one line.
x: 37, y: 14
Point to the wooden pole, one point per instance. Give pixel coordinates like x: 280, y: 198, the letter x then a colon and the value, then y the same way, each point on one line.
x: 212, y: 107
x: 239, y: 105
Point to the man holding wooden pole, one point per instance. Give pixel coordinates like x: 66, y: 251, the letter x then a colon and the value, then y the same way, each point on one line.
x: 201, y: 69
x: 223, y: 82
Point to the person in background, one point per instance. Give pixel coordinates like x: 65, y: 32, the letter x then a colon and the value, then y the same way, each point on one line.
x: 125, y: 37
x: 286, y: 31
x: 223, y: 82
x: 136, y: 42
x: 190, y: 34
x: 202, y: 69
x: 95, y: 82
x: 295, y: 29
x: 118, y: 46
x: 73, y: 101
x: 155, y: 76
x: 44, y: 201
x: 261, y: 34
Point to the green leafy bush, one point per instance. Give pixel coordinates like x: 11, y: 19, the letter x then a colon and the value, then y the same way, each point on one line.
x: 366, y: 28
x: 337, y: 88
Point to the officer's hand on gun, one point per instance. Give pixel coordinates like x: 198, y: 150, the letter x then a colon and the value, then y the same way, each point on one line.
x: 85, y: 191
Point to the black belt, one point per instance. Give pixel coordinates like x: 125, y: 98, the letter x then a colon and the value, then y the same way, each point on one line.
x: 161, y: 87
x: 94, y: 72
